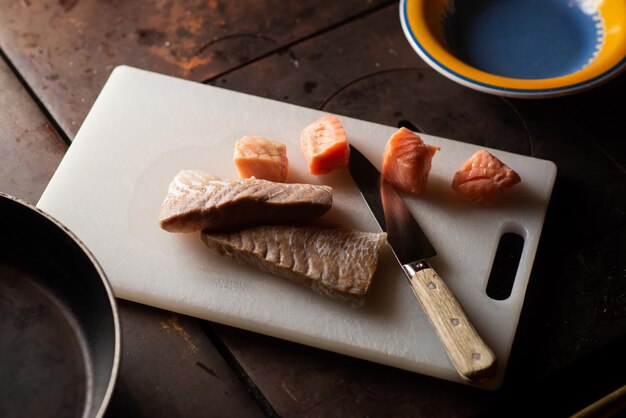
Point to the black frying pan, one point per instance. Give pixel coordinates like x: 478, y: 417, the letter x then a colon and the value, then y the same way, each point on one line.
x: 59, y: 329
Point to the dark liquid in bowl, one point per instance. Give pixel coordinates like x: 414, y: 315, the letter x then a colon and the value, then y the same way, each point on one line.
x: 529, y: 39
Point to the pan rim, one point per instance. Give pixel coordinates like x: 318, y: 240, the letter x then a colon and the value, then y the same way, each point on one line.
x: 107, y: 287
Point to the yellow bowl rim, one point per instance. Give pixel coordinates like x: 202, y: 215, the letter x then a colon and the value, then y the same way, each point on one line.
x: 438, y: 57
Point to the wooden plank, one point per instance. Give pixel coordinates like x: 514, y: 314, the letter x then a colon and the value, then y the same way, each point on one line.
x: 169, y: 367
x: 337, y: 73
x: 368, y: 71
x: 300, y: 381
x: 66, y: 49
x: 312, y: 72
x: 30, y: 148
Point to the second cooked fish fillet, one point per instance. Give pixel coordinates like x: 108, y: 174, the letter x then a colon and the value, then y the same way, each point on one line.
x: 196, y: 201
x: 334, y: 261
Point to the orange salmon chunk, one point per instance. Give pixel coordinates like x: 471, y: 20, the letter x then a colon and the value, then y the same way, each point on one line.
x: 261, y: 158
x: 483, y: 177
x: 325, y: 145
x: 407, y: 161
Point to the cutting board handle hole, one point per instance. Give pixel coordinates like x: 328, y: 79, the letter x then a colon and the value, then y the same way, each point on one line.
x: 504, y: 268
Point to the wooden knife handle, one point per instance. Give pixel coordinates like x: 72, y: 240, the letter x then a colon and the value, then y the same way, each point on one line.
x: 471, y: 357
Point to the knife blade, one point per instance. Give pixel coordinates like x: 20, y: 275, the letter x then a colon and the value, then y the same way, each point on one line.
x: 470, y: 355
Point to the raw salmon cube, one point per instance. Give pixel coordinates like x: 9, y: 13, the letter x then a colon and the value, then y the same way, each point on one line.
x: 483, y: 177
x: 407, y: 161
x: 325, y: 145
x: 262, y: 158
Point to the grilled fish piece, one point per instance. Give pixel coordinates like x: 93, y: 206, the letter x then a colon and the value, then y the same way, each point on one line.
x: 196, y: 201
x: 332, y: 260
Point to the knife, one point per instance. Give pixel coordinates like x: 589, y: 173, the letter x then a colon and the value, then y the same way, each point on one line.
x: 471, y: 357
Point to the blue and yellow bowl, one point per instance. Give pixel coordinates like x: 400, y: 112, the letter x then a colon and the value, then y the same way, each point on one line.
x: 520, y: 48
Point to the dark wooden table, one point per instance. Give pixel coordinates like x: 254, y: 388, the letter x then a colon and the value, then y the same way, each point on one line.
x: 348, y: 57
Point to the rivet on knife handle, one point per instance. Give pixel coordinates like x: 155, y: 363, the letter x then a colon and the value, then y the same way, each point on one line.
x: 471, y: 357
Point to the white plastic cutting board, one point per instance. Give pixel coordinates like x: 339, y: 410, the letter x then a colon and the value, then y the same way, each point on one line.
x: 145, y: 127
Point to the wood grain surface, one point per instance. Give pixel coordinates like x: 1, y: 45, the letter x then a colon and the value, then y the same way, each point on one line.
x: 171, y: 369
x: 374, y: 75
x: 30, y: 147
x: 349, y: 58
x: 66, y: 49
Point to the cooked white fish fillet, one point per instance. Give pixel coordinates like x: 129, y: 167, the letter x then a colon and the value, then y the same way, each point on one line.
x: 196, y: 201
x: 335, y: 261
